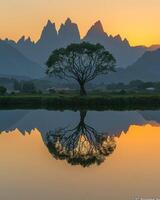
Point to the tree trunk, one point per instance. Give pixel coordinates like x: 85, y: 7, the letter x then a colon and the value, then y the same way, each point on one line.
x: 82, y: 90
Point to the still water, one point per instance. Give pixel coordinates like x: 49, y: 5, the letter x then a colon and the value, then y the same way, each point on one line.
x: 89, y: 155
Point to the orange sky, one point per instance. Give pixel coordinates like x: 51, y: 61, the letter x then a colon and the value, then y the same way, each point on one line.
x: 137, y: 20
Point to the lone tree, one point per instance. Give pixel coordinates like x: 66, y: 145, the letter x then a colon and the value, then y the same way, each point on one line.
x: 82, y: 62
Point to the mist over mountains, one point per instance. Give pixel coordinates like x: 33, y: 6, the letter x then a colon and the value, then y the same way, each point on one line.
x: 30, y: 56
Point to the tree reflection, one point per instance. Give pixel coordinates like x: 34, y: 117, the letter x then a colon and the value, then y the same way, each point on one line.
x: 82, y: 145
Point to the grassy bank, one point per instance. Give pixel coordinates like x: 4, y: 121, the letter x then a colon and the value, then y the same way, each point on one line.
x: 72, y: 101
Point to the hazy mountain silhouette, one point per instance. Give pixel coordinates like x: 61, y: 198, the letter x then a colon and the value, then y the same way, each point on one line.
x: 153, y: 116
x: 154, y: 47
x: 50, y: 39
x: 47, y: 43
x: 146, y: 68
x: 121, y: 49
x: 24, y: 45
x: 12, y: 62
x: 96, y: 33
x: 68, y: 33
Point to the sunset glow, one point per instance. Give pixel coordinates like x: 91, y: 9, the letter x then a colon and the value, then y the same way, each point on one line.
x: 138, y: 21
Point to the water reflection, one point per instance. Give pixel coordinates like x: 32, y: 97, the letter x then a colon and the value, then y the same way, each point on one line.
x: 114, y: 122
x: 29, y: 171
x: 82, y: 145
x: 86, y: 143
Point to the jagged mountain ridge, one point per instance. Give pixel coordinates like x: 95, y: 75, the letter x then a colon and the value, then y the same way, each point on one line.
x: 121, y: 49
x: 49, y: 40
x: 68, y: 33
x: 141, y: 64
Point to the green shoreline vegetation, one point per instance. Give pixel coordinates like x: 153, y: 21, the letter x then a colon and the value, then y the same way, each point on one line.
x: 103, y: 101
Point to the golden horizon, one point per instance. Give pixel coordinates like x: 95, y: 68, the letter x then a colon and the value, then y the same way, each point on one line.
x: 137, y: 21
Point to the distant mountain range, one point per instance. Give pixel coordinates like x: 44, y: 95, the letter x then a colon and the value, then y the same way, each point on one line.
x: 146, y: 68
x: 68, y: 33
x: 121, y: 49
x: 14, y: 63
x: 27, y: 58
x: 49, y: 40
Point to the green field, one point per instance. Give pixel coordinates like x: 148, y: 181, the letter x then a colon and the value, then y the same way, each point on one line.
x: 103, y: 101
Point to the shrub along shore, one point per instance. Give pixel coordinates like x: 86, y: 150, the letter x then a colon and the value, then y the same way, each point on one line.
x: 75, y: 102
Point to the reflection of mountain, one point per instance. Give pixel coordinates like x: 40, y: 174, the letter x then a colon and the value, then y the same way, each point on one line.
x: 151, y: 115
x: 26, y: 165
x: 10, y: 118
x: 81, y: 145
x: 43, y: 120
x: 114, y: 121
x: 111, y: 121
x: 80, y: 142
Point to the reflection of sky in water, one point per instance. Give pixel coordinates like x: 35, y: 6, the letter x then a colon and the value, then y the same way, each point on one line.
x: 28, y: 170
x: 69, y: 134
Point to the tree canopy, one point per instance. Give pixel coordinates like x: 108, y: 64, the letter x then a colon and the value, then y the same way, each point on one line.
x: 82, y: 62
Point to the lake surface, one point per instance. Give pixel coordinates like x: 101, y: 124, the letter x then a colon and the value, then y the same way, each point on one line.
x: 108, y: 155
